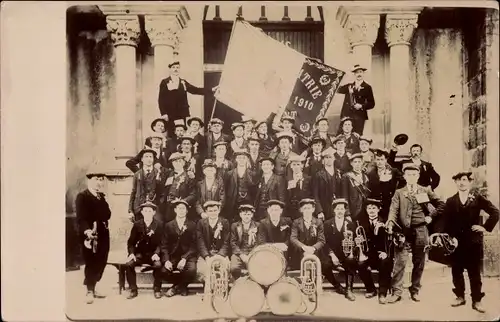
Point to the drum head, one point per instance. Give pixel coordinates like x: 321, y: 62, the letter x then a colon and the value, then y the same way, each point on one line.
x: 284, y: 297
x: 246, y: 298
x: 266, y: 266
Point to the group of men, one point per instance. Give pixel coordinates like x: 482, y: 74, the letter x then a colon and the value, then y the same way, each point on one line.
x: 196, y: 196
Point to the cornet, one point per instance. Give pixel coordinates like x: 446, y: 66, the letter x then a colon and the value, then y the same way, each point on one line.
x: 361, y: 243
x: 348, y: 244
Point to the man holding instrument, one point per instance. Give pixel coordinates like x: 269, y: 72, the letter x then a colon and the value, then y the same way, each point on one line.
x: 93, y: 213
x: 413, y: 208
x: 462, y: 222
x: 243, y: 239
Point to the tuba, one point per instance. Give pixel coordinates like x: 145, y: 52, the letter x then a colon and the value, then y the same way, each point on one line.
x: 361, y: 243
x: 348, y: 244
x: 91, y: 243
x: 311, y: 279
x: 217, y: 282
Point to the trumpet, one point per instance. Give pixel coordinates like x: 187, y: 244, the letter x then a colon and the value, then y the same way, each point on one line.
x: 217, y: 285
x: 348, y: 244
x: 311, y: 279
x: 361, y: 243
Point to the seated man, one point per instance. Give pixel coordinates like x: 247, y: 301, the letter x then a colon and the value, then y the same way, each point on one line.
x: 307, y: 236
x: 178, y: 248
x: 339, y: 231
x: 212, y: 235
x: 243, y: 239
x: 275, y: 229
x: 379, y: 254
x: 144, y: 248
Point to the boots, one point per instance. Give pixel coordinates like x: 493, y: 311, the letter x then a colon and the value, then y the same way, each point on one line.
x: 478, y: 306
x: 458, y: 301
x: 349, y: 286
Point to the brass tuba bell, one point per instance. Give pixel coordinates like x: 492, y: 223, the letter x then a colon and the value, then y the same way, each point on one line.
x: 311, y: 279
x: 217, y: 283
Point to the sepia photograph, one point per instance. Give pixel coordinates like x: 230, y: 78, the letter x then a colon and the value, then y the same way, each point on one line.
x: 248, y: 161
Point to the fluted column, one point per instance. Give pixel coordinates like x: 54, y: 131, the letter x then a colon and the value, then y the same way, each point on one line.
x: 362, y: 32
x: 124, y: 31
x: 398, y: 33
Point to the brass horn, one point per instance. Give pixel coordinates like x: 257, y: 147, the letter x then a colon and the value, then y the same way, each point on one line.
x: 348, y: 244
x: 217, y: 283
x: 311, y: 278
x: 361, y: 243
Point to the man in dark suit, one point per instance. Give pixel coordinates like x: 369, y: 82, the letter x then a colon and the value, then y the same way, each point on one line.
x: 174, y: 143
x: 462, y: 222
x: 267, y: 139
x: 144, y: 248
x: 380, y: 250
x: 215, y: 135
x: 270, y: 186
x: 358, y: 100
x: 178, y: 249
x: 158, y: 125
x: 298, y: 187
x: 355, y: 186
x: 213, y: 234
x: 238, y: 142
x: 92, y: 214
x: 428, y: 175
x: 322, y: 130
x: 314, y: 160
x: 275, y: 229
x: 178, y: 184
x: 412, y: 208
x: 192, y: 161
x: 283, y: 153
x: 172, y: 96
x: 326, y: 185
x: 195, y: 124
x: 287, y: 123
x: 383, y: 180
x: 335, y: 233
x: 351, y: 138
x: 220, y: 159
x: 239, y: 186
x: 160, y: 157
x: 254, y: 154
x: 341, y: 155
x: 210, y: 188
x: 243, y: 239
x: 146, y: 185
x: 307, y: 236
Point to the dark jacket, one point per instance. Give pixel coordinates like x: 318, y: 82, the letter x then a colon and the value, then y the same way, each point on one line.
x: 364, y: 97
x: 428, y: 175
x: 90, y: 209
x: 179, y: 242
x: 296, y: 192
x: 355, y: 193
x: 265, y: 234
x: 273, y: 189
x: 334, y: 237
x: 145, y: 187
x: 237, y: 236
x: 300, y: 236
x: 206, y: 240
x: 174, y: 103
x: 203, y: 194
x: 231, y: 191
x: 211, y: 141
x: 145, y: 240
x: 325, y: 188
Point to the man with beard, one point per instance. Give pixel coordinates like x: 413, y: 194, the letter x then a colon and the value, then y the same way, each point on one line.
x: 326, y: 185
x: 412, y: 208
x: 462, y: 222
x: 215, y: 135
x: 358, y: 99
x: 428, y: 175
x: 92, y: 214
x: 383, y: 181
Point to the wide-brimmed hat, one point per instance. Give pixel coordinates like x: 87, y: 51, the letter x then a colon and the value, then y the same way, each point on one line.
x: 216, y: 121
x: 461, y: 174
x: 237, y: 124
x: 154, y: 134
x: 316, y: 139
x: 288, y: 118
x: 384, y: 152
x: 364, y: 138
x: 275, y: 202
x: 211, y: 203
x: 306, y: 201
x: 339, y: 201
x: 173, y: 64
x: 159, y: 120
x: 195, y: 118
x: 209, y: 163
x: 216, y: 144
x: 320, y: 119
x: 410, y: 166
x: 146, y: 150
x: 95, y: 171
x: 358, y: 67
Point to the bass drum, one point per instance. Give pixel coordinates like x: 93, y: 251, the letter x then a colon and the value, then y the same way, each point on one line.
x: 284, y: 297
x: 246, y: 298
x: 266, y: 264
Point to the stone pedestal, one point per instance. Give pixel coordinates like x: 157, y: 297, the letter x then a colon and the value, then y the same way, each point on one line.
x: 399, y: 30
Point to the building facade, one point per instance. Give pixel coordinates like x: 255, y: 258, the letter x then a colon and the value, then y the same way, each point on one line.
x: 434, y: 72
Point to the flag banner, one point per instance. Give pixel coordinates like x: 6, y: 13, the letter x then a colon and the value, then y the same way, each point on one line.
x: 259, y: 72
x: 262, y: 76
x: 314, y: 90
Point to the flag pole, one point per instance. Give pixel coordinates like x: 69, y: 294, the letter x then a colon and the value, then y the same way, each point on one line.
x: 213, y: 110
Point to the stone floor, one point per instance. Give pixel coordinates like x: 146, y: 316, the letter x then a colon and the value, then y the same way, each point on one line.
x: 436, y: 296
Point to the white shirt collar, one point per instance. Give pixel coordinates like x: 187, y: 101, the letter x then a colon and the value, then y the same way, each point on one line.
x: 180, y: 221
x: 216, y: 136
x: 93, y: 192
x: 212, y: 222
x: 463, y: 196
x: 339, y: 223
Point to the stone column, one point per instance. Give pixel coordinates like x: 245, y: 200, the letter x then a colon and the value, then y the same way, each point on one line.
x: 398, y: 33
x: 125, y: 32
x: 362, y: 32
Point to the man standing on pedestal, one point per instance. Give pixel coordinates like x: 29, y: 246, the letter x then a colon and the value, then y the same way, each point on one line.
x: 358, y: 100
x: 172, y: 97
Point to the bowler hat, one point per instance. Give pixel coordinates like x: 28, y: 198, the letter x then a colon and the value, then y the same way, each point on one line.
x: 461, y: 174
x: 316, y: 139
x: 195, y: 119
x: 159, y: 120
x: 147, y: 150
x: 358, y: 67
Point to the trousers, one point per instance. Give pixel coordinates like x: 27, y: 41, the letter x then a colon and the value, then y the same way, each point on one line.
x: 95, y: 263
x: 140, y: 260
x: 185, y: 276
x: 467, y: 256
x: 416, y: 240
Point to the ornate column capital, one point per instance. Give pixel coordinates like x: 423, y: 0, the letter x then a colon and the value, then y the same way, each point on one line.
x: 163, y: 30
x: 399, y: 28
x: 124, y: 30
x: 362, y: 29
